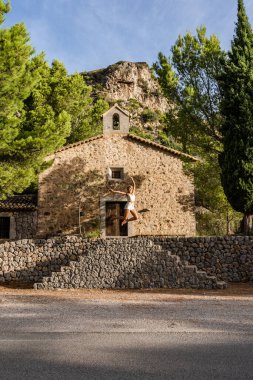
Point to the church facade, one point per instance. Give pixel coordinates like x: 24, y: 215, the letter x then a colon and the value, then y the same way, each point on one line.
x: 74, y: 193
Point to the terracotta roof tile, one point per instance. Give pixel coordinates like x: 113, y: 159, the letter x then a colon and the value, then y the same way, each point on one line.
x: 19, y: 203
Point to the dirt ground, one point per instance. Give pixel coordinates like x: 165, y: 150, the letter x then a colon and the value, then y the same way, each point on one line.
x: 234, y: 291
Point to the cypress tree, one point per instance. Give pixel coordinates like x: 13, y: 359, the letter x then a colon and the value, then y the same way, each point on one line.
x: 236, y: 83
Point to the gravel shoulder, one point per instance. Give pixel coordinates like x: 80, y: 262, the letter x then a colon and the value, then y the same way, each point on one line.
x: 233, y: 292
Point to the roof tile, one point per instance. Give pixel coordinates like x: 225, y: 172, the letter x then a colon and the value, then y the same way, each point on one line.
x: 27, y: 202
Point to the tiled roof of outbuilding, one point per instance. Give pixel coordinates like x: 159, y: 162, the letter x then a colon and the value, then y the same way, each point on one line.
x: 26, y: 202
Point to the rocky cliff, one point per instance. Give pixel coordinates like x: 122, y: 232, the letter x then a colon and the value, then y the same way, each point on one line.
x: 133, y: 87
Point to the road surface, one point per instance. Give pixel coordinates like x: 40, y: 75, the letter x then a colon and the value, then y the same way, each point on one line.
x: 119, y: 335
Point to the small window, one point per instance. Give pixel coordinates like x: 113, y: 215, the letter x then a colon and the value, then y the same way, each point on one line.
x: 116, y: 173
x: 115, y: 122
x: 4, y: 227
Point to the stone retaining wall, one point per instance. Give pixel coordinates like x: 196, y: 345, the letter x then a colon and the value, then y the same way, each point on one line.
x: 132, y: 262
x: 230, y: 258
x: 129, y: 264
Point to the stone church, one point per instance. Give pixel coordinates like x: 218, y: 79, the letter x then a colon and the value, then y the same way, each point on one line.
x: 74, y: 192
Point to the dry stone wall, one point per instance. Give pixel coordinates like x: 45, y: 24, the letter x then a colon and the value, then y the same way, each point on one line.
x: 128, y: 264
x: 230, y: 258
x: 72, y: 262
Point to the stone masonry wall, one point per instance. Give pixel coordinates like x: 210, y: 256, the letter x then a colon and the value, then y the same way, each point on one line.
x: 26, y: 224
x: 23, y: 224
x: 80, y: 174
x: 121, y: 263
x: 128, y: 264
x: 230, y: 258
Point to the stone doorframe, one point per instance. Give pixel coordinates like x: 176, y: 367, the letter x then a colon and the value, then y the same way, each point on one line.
x: 110, y: 198
x: 12, y: 224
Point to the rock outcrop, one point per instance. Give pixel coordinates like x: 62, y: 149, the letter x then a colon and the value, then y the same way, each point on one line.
x: 128, y: 80
x: 133, y: 87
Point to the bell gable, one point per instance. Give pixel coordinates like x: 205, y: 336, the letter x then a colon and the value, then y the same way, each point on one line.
x: 116, y: 121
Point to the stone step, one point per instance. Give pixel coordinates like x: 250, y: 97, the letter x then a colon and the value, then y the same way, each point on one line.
x: 211, y: 277
x: 47, y: 279
x: 202, y: 272
x: 191, y: 268
x: 221, y: 285
x: 64, y: 268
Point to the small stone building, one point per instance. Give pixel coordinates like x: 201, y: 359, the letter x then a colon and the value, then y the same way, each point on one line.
x: 74, y: 192
x: 18, y: 217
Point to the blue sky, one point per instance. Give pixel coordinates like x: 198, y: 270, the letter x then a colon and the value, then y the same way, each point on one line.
x: 90, y: 34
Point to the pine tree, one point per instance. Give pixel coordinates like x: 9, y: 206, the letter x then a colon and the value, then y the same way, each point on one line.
x: 236, y: 82
x: 40, y: 108
x: 4, y: 8
x: 189, y: 81
x: 57, y: 92
x: 24, y: 141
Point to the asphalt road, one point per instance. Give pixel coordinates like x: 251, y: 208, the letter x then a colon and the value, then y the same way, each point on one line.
x: 69, y: 337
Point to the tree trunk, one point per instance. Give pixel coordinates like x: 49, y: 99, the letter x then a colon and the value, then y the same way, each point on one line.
x: 248, y: 224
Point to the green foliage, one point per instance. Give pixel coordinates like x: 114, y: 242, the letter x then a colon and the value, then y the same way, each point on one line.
x: 167, y: 140
x: 60, y: 92
x: 95, y: 117
x: 92, y: 229
x: 189, y: 80
x: 4, y: 8
x: 41, y: 108
x: 217, y: 224
x: 149, y: 115
x: 136, y: 131
x: 93, y: 234
x: 214, y: 214
x: 236, y: 82
x: 23, y: 142
x: 133, y: 105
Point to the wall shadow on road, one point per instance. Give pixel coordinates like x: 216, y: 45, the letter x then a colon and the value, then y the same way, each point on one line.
x: 130, y: 357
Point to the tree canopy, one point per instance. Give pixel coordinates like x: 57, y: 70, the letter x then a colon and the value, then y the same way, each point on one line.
x: 189, y: 79
x: 25, y: 136
x: 41, y: 108
x: 4, y: 8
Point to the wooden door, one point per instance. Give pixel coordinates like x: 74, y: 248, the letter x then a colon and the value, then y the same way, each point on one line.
x: 114, y: 215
